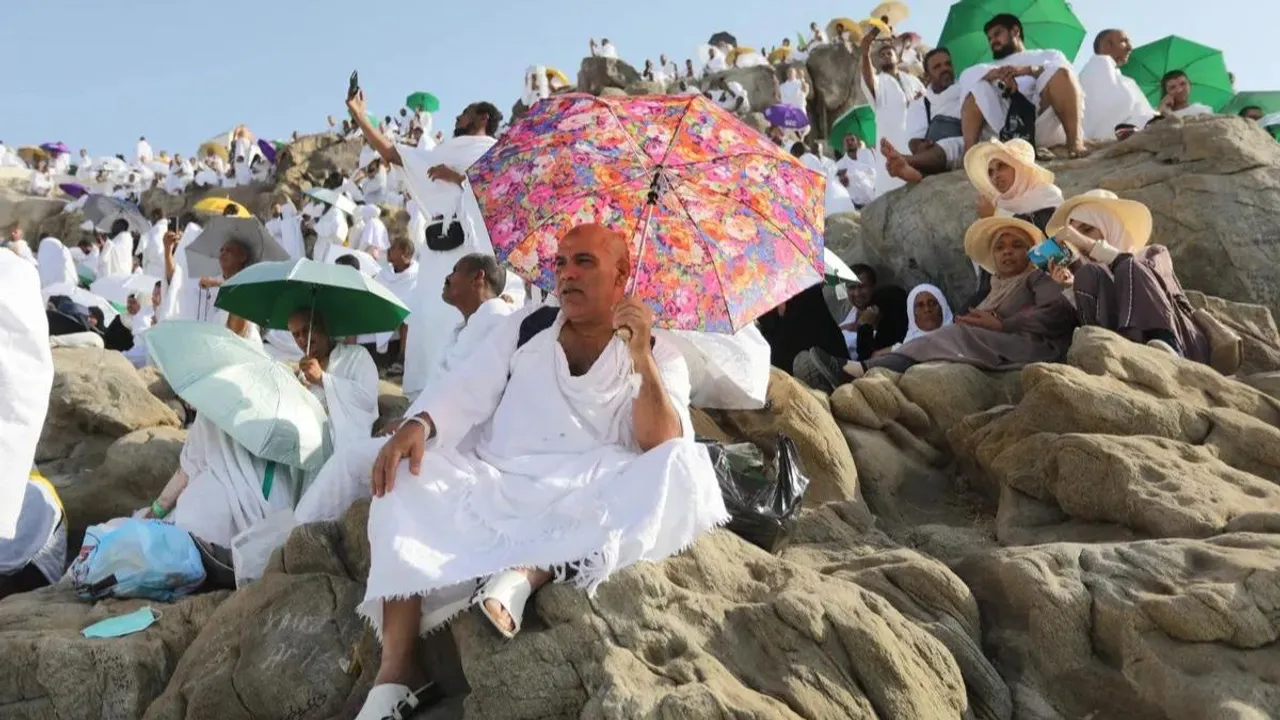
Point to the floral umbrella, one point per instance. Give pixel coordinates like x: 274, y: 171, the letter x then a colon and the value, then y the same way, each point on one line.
x: 723, y: 225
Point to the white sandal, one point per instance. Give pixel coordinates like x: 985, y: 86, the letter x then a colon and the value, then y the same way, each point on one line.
x: 511, y: 589
x: 393, y: 702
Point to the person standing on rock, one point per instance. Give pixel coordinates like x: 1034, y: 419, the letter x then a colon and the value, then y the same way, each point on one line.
x: 561, y: 452
x: 890, y: 91
x: 1043, y: 78
x: 117, y: 254
x: 151, y: 248
x: 1111, y: 97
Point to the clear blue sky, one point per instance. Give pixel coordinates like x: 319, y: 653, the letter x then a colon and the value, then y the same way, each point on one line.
x: 99, y: 73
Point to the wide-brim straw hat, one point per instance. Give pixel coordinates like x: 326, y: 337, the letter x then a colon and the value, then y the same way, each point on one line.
x: 1018, y: 153
x: 1134, y: 217
x: 980, y: 238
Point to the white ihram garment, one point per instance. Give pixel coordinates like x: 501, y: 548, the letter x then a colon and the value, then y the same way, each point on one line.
x: 554, y: 478
x: 995, y: 107
x: 1111, y: 98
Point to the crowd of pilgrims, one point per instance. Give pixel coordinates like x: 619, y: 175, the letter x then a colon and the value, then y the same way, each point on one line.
x: 539, y: 445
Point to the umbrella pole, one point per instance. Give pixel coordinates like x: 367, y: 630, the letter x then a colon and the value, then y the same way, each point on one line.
x: 310, y: 319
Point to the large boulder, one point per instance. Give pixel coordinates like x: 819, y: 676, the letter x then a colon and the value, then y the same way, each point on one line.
x: 833, y: 72
x: 65, y: 226
x: 597, y: 73
x: 256, y: 198
x: 27, y: 212
x: 135, y: 470
x: 1127, y: 443
x: 760, y: 82
x: 51, y: 672
x: 1212, y: 185
x: 307, y: 161
x: 1170, y: 629
x: 97, y: 397
x: 1254, y: 324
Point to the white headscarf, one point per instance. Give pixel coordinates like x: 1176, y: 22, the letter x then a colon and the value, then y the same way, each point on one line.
x: 56, y: 264
x: 1113, y: 230
x: 913, y: 330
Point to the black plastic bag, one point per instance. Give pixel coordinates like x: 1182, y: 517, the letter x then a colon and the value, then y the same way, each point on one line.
x: 1020, y: 123
x: 763, y: 498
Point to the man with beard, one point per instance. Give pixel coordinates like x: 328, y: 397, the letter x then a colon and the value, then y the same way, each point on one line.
x: 1043, y: 77
x: 933, y: 125
x: 1111, y: 98
x: 891, y: 92
x: 438, y: 184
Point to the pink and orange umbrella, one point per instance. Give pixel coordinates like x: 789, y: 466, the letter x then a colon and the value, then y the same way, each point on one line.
x: 723, y: 225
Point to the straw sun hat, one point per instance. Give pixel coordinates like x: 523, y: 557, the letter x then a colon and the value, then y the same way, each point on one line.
x: 1134, y: 217
x: 1018, y: 153
x: 980, y: 238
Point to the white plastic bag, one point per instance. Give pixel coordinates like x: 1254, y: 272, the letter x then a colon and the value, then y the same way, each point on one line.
x: 251, y: 549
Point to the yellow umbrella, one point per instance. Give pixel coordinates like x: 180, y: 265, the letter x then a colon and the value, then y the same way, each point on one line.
x: 849, y: 25
x: 780, y: 55
x: 735, y: 53
x: 243, y: 131
x: 554, y: 74
x: 864, y: 27
x: 31, y: 154
x: 892, y: 12
x: 215, y: 148
x: 218, y: 205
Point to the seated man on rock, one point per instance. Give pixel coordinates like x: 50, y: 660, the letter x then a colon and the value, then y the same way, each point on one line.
x: 582, y: 463
x: 1040, y: 80
x: 936, y: 139
x: 221, y: 489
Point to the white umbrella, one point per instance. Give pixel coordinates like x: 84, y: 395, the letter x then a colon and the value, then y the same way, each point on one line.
x: 334, y: 198
x: 202, y: 254
x: 118, y: 288
x: 837, y: 271
x: 368, y: 265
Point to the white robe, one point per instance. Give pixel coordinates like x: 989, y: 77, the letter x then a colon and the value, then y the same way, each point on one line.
x: 85, y: 261
x: 893, y: 95
x: 287, y: 230
x: 552, y: 478
x: 995, y: 107
x: 374, y: 238
x: 607, y: 50
x: 41, y: 183
x: 947, y: 103
x: 143, y: 153
x: 331, y: 231
x: 417, y: 224
x: 402, y: 285
x: 56, y: 265
x: 1111, y: 98
x: 26, y: 378
x: 151, y: 248
x: 792, y: 93
x: 1194, y: 110
x: 862, y: 172
x: 117, y: 256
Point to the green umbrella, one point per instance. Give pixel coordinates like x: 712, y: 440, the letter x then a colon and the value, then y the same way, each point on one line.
x: 1046, y: 25
x: 422, y: 101
x: 349, y: 302
x: 837, y: 272
x: 246, y: 394
x: 860, y: 121
x: 1267, y: 100
x: 1204, y: 66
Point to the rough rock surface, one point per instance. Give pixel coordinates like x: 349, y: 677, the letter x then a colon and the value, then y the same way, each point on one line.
x: 760, y: 82
x: 26, y: 212
x: 1210, y: 183
x: 308, y: 160
x: 597, y: 73
x: 135, y: 470
x: 97, y: 397
x: 833, y: 73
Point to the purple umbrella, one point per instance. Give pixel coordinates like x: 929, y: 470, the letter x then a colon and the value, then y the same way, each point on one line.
x: 786, y: 117
x: 75, y: 190
x: 268, y: 151
x: 57, y: 148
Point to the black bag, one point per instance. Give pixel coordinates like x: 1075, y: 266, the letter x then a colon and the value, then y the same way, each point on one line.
x: 1021, y: 120
x: 442, y: 240
x: 763, y: 498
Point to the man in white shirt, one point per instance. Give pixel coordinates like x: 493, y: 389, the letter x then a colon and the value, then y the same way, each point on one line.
x: 143, y: 154
x: 890, y: 92
x: 117, y: 255
x: 151, y: 247
x: 1045, y: 78
x: 1177, y: 97
x: 1111, y: 97
x: 936, y: 139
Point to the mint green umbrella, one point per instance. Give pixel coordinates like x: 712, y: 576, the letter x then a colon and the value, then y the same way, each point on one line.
x: 1205, y: 68
x: 348, y: 301
x: 860, y: 121
x: 1266, y: 100
x: 241, y: 390
x: 1046, y: 25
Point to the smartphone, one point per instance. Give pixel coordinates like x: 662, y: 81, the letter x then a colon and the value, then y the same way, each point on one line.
x: 354, y: 86
x: 173, y: 224
x: 1049, y: 250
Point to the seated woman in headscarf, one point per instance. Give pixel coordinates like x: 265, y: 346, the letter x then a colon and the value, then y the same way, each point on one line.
x: 1120, y: 282
x: 927, y: 311
x: 1023, y: 318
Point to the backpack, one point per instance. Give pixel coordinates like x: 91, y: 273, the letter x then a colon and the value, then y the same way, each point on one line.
x: 541, y: 319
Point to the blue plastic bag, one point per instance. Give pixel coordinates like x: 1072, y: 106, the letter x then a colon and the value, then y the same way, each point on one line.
x: 134, y: 558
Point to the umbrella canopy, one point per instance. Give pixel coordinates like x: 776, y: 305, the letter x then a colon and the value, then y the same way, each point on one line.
x: 218, y: 205
x: 202, y: 253
x: 422, y: 101
x: 892, y: 13
x: 860, y: 121
x: 268, y: 151
x: 75, y: 190
x: 1267, y: 100
x: 723, y: 38
x: 1046, y: 25
x: 837, y: 272
x: 554, y: 74
x: 780, y: 55
x: 738, y: 52
x: 55, y: 148
x: 850, y: 26
x: 104, y: 210
x: 238, y: 387
x: 350, y: 302
x: 1205, y: 68
x: 368, y: 263
x: 214, y: 149
x: 786, y: 117
x: 30, y: 155
x: 116, y: 289
x: 332, y: 197
x: 722, y: 224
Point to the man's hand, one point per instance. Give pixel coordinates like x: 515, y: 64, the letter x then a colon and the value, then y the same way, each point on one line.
x: 410, y: 441
x: 637, y: 318
x: 171, y: 239
x: 1061, y: 274
x: 446, y: 174
x: 1166, y: 105
x: 356, y: 105
x: 311, y: 370
x: 209, y: 282
x: 982, y: 319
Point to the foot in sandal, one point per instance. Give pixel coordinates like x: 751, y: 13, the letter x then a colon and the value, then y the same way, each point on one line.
x: 504, y: 596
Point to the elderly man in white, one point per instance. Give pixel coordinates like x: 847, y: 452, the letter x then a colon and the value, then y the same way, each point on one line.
x: 564, y: 452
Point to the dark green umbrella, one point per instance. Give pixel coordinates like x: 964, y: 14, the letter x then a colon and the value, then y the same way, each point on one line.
x: 422, y: 101
x: 860, y: 121
x: 350, y: 302
x: 1046, y: 25
x: 1267, y: 100
x: 1205, y: 68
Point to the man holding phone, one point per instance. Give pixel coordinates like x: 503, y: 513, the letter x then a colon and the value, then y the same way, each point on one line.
x: 438, y: 184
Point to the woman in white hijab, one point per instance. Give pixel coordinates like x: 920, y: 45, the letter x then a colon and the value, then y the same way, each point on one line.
x: 927, y: 311
x: 56, y: 264
x: 1010, y: 183
x: 1120, y: 282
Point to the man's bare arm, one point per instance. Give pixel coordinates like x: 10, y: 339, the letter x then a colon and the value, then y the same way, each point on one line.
x: 376, y: 139
x: 653, y: 419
